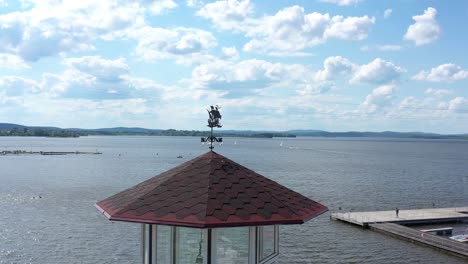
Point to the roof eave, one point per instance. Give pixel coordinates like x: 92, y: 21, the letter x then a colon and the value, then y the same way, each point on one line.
x: 220, y: 224
x: 316, y: 213
x: 103, y: 211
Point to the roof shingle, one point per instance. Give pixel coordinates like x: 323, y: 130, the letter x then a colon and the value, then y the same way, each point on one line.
x: 210, y: 191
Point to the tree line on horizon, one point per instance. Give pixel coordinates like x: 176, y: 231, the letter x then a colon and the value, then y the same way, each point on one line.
x: 7, y: 129
x: 55, y: 132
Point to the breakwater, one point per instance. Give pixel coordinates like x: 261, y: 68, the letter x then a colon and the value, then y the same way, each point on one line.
x: 24, y: 152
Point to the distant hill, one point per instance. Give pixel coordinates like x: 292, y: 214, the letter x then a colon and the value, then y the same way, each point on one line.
x: 8, y: 129
x: 118, y: 129
x: 4, y: 126
x: 384, y: 134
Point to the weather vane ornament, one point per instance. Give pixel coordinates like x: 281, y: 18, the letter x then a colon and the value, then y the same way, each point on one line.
x: 215, y: 116
x: 213, y: 121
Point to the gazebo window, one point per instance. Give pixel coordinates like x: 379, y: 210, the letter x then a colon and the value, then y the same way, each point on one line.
x: 190, y: 245
x: 231, y: 245
x: 268, y: 243
x: 164, y: 244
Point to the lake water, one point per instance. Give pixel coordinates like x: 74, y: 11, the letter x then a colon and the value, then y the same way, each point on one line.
x: 63, y: 226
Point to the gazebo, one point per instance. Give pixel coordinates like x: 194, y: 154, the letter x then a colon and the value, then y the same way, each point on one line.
x: 210, y: 210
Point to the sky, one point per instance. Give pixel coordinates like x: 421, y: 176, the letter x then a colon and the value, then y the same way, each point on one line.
x: 336, y: 65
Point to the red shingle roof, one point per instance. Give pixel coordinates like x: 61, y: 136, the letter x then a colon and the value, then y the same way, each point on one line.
x: 210, y: 191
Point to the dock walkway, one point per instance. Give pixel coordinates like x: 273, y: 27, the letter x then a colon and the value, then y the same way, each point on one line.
x: 413, y: 235
x: 389, y: 223
x: 417, y: 216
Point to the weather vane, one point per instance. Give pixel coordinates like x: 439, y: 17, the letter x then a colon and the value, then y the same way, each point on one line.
x: 213, y: 121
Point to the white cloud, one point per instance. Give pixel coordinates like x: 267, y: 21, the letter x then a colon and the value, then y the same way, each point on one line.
x: 366, y: 48
x: 458, y: 104
x: 382, y: 48
x: 227, y: 14
x: 194, y: 3
x: 51, y: 27
x: 89, y: 113
x: 15, y: 86
x: 316, y: 88
x: 377, y: 71
x: 410, y: 104
x: 10, y: 61
x: 160, y: 6
x: 342, y: 2
x: 389, y: 47
x: 289, y: 30
x: 388, y: 12
x: 379, y: 99
x: 230, y: 53
x: 425, y: 30
x: 438, y: 92
x: 180, y: 43
x: 421, y: 108
x: 443, y: 73
x: 247, y: 77
x: 73, y: 83
x: 96, y: 78
x: 350, y: 28
x: 103, y: 69
x: 86, y: 78
x: 291, y: 54
x: 334, y: 67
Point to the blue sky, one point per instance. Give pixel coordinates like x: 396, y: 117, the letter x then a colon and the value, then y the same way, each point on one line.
x: 335, y: 65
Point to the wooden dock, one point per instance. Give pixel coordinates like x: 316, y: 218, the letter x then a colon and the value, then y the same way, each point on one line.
x: 417, y: 216
x: 387, y: 222
x: 434, y: 241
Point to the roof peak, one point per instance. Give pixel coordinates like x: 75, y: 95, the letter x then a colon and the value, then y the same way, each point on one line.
x: 211, y: 155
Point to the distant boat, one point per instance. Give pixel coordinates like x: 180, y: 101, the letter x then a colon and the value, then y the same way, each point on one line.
x: 460, y: 238
x: 235, y: 142
x: 179, y: 157
x: 281, y: 144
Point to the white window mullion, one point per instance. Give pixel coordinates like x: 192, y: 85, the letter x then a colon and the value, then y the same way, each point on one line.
x: 253, y: 243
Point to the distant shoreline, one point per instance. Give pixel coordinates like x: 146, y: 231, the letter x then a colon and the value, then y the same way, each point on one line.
x: 7, y: 129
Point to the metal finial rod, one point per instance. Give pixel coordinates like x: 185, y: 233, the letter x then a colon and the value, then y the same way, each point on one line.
x: 211, y: 139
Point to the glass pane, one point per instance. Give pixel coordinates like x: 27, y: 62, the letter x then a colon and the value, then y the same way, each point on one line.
x: 163, y: 244
x: 190, y: 247
x: 267, y: 237
x: 232, y: 245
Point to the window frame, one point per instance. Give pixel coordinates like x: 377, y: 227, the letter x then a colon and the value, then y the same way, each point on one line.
x: 272, y: 257
x: 251, y: 244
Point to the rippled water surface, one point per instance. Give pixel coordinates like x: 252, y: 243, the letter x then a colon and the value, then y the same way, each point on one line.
x: 47, y: 212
